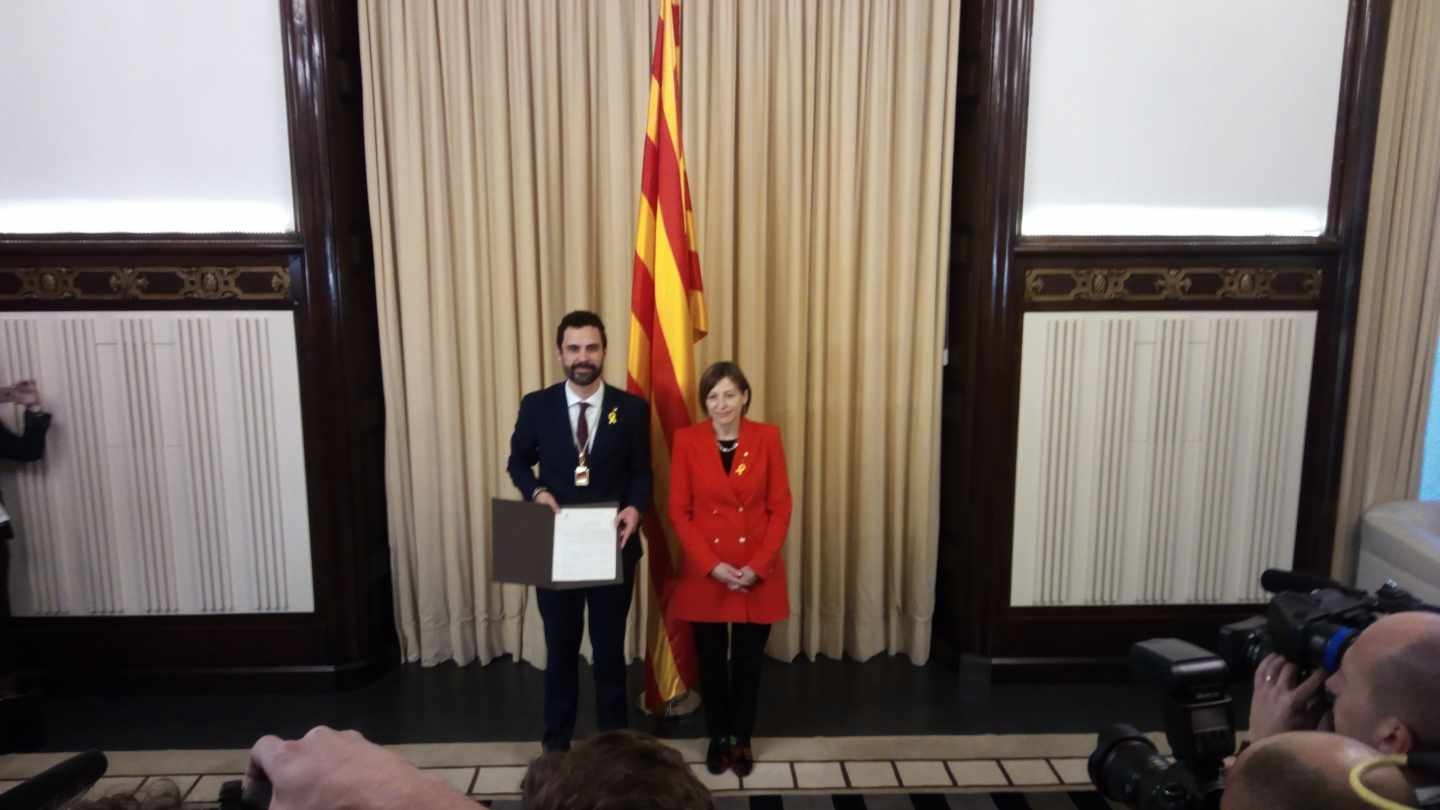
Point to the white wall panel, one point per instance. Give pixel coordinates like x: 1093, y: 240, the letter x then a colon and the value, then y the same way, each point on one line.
x: 174, y: 480
x: 1159, y: 455
x: 1167, y: 117
x: 143, y: 116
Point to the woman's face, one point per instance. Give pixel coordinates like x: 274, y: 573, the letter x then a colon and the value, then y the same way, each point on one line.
x: 725, y: 402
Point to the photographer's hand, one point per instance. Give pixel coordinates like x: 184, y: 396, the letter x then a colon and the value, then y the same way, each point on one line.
x: 1279, y: 703
x: 341, y: 769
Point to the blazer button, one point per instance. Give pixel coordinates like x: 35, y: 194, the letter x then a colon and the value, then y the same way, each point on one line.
x: 716, y: 540
x: 714, y: 511
x: 742, y: 539
x: 742, y: 509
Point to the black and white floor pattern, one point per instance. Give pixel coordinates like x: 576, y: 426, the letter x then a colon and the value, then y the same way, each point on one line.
x: 960, y: 772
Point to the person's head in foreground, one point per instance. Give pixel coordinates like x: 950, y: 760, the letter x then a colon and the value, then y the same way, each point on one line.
x: 614, y: 770
x: 1387, y: 691
x: 1307, y: 770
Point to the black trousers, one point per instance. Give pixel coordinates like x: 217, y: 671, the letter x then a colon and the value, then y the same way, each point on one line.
x: 7, y: 646
x: 563, y: 613
x: 730, y: 678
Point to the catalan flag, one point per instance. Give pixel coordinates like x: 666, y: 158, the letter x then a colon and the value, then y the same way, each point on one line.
x: 667, y: 317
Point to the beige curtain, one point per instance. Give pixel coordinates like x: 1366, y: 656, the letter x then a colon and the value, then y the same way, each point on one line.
x: 1399, y: 317
x: 504, y: 143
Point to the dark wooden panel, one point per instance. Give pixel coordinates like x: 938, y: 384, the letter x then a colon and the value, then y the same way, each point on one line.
x: 117, y: 247
x: 332, y: 291
x: 174, y: 642
x: 1335, y: 333
x: 1131, y: 284
x: 981, y: 382
x: 337, y: 333
x: 247, y: 283
x: 41, y: 272
x: 1071, y: 631
x: 988, y: 279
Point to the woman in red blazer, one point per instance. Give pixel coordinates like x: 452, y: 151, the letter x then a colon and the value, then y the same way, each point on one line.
x: 730, y: 505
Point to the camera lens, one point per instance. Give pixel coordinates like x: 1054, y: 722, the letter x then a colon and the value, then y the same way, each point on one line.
x: 1327, y: 645
x: 1256, y: 651
x: 1126, y: 767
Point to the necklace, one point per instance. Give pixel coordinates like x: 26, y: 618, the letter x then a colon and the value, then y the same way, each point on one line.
x: 727, y: 445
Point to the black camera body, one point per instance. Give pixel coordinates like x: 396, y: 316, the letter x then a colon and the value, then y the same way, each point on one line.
x: 1311, y: 622
x: 1199, y: 725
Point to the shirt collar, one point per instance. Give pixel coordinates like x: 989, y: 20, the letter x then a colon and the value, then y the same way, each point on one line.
x: 572, y: 399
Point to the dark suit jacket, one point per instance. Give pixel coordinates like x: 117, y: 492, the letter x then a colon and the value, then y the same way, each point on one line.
x: 28, y: 446
x: 619, y: 452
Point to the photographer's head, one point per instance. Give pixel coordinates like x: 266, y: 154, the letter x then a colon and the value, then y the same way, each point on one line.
x: 1306, y: 770
x: 1387, y: 691
x: 616, y: 769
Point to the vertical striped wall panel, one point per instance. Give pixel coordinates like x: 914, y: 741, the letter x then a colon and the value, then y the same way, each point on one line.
x: 1159, y: 455
x: 174, y: 480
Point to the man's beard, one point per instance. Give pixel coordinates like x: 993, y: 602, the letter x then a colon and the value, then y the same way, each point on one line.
x: 583, y: 373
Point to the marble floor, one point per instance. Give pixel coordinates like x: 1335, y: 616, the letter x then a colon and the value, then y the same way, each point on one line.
x: 848, y: 735
x: 1004, y: 764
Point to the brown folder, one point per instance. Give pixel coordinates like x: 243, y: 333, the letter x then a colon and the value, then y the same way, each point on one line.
x: 522, y: 545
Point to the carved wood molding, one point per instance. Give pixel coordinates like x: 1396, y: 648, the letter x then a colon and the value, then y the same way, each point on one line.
x: 268, y: 284
x: 1057, y: 285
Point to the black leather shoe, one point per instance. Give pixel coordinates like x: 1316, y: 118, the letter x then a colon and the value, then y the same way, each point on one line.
x: 718, y: 757
x: 742, y: 758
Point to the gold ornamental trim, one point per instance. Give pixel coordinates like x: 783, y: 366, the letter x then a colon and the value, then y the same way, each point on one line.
x: 1058, y: 285
x: 54, y: 283
x: 245, y: 284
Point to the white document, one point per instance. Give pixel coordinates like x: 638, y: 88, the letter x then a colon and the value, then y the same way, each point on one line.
x: 585, y: 543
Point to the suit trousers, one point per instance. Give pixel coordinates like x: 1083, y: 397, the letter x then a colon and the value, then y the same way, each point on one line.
x: 563, y: 613
x: 730, y: 679
x: 7, y: 646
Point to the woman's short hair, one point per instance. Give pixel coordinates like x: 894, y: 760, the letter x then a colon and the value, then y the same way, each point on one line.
x: 724, y: 370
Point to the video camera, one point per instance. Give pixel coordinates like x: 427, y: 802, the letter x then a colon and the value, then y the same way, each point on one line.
x: 1311, y: 621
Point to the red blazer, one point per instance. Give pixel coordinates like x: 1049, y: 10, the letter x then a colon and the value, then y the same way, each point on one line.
x: 740, y: 519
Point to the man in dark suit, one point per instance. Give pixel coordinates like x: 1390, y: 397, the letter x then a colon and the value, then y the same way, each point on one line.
x: 28, y: 446
x: 592, y: 444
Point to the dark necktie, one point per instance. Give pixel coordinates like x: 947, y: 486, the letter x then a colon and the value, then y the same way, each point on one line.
x: 582, y: 431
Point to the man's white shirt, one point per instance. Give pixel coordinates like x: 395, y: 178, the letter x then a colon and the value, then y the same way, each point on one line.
x: 592, y: 415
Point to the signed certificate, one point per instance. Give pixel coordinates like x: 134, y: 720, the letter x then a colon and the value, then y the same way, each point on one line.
x: 585, y: 545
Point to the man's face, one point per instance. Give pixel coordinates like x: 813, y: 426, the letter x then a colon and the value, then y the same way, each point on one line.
x: 1353, y: 689
x: 582, y: 355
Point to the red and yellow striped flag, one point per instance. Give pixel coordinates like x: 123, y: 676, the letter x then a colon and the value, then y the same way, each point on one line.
x: 667, y: 317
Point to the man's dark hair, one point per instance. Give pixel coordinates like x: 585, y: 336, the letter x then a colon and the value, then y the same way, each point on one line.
x: 614, y: 770
x: 724, y: 370
x: 576, y: 320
